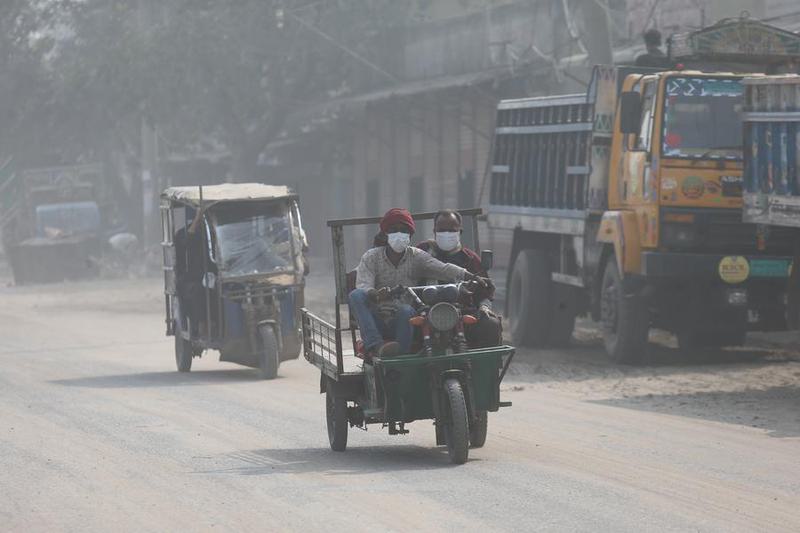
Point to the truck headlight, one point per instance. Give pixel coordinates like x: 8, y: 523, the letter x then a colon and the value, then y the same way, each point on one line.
x: 678, y: 235
x: 736, y: 297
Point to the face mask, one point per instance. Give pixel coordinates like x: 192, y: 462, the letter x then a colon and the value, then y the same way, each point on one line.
x: 448, y: 240
x: 399, y: 241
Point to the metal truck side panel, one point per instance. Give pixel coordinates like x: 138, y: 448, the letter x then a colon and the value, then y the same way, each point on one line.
x: 603, y: 92
x: 772, y: 144
x: 621, y: 229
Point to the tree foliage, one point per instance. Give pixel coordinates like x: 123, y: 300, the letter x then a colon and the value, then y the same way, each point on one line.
x: 229, y: 70
x: 25, y: 84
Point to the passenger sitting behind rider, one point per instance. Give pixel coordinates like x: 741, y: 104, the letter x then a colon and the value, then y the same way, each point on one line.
x: 397, y: 263
x: 447, y: 247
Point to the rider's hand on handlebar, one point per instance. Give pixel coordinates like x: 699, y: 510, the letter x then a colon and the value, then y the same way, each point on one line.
x: 483, y: 283
x: 380, y: 295
x: 487, y: 311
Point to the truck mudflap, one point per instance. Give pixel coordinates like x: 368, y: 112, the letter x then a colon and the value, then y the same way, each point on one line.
x: 731, y: 269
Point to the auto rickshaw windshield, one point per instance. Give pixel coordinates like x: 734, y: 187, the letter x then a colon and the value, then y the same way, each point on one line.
x: 253, y: 239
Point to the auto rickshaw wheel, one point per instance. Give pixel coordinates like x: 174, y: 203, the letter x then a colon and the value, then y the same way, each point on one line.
x: 183, y: 353
x: 457, y: 428
x: 268, y: 358
x: 291, y: 346
x: 336, y: 416
x: 477, y: 430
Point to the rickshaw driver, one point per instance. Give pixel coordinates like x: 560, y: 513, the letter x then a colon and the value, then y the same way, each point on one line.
x: 447, y: 248
x: 397, y: 263
x: 189, y: 250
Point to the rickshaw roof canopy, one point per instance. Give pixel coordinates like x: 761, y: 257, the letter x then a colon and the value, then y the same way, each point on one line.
x: 235, y: 192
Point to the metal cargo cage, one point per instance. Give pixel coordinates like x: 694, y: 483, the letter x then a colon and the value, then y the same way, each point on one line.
x: 772, y: 144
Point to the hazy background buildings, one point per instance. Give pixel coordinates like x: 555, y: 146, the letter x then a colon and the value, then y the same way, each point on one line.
x: 359, y: 105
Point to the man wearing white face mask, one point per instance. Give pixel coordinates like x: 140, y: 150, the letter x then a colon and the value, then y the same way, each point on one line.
x: 446, y: 247
x: 385, y: 267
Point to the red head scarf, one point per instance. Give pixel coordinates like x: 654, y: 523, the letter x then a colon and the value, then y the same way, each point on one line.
x: 397, y: 215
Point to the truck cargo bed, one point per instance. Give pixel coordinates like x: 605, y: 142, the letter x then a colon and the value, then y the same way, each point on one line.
x: 551, y: 153
x: 772, y: 143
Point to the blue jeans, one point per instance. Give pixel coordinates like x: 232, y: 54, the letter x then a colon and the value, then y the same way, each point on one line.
x: 374, y: 330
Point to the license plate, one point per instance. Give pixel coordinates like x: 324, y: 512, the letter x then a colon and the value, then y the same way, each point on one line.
x: 770, y: 268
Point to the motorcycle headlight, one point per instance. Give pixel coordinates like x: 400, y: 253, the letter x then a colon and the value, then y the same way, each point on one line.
x: 443, y: 316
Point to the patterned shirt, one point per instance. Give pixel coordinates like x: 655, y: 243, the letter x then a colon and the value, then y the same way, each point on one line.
x: 376, y: 271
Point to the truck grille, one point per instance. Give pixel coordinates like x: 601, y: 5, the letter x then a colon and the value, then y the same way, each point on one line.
x: 723, y: 231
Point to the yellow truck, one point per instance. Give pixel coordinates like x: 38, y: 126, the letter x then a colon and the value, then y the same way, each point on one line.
x: 625, y: 203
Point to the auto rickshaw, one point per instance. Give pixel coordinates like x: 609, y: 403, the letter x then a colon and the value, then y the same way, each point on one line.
x: 444, y: 380
x: 234, y: 273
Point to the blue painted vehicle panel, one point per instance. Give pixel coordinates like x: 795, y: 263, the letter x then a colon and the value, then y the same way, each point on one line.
x: 771, y: 147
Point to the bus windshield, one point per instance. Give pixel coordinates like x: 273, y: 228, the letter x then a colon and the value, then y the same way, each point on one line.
x: 702, y: 118
x: 254, y: 239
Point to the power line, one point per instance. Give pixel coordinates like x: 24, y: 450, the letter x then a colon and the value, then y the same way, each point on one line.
x: 778, y: 17
x: 340, y: 46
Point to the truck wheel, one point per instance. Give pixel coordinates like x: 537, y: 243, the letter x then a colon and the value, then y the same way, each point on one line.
x: 457, y: 429
x: 624, y: 316
x: 540, y: 314
x: 730, y: 337
x: 689, y: 338
x: 183, y: 353
x: 563, y: 314
x: 528, y: 298
x: 336, y: 415
x: 477, y: 431
x: 268, y: 358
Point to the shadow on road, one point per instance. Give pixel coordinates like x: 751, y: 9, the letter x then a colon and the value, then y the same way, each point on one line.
x: 776, y: 409
x: 587, y: 359
x: 659, y: 355
x: 356, y: 460
x: 162, y: 379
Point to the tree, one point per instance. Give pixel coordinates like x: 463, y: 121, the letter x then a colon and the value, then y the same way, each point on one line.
x: 25, y: 83
x: 230, y: 70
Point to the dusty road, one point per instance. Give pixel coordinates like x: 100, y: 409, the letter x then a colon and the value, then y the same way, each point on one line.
x: 99, y: 433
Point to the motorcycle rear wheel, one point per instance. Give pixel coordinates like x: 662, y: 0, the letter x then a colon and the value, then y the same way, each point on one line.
x: 336, y: 418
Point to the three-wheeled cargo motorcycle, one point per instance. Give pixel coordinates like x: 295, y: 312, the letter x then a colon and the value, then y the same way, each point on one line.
x: 234, y: 273
x: 442, y: 379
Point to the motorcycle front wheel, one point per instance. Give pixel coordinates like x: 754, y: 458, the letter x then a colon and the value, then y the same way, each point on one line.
x: 457, y: 428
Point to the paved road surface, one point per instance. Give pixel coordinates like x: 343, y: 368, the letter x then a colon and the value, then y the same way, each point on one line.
x: 99, y: 433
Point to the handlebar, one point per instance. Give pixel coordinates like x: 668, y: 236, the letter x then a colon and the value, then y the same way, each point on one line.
x: 400, y: 289
x: 464, y: 288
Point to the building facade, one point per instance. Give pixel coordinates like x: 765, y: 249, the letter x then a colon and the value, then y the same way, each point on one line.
x: 423, y: 139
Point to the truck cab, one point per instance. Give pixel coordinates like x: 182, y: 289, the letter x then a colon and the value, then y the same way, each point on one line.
x: 625, y: 203
x: 676, y: 178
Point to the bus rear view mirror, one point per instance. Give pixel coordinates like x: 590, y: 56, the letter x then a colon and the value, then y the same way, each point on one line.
x: 630, y: 106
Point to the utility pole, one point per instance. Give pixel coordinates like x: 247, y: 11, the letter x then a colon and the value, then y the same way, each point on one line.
x: 597, y: 36
x: 149, y: 153
x: 150, y: 183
